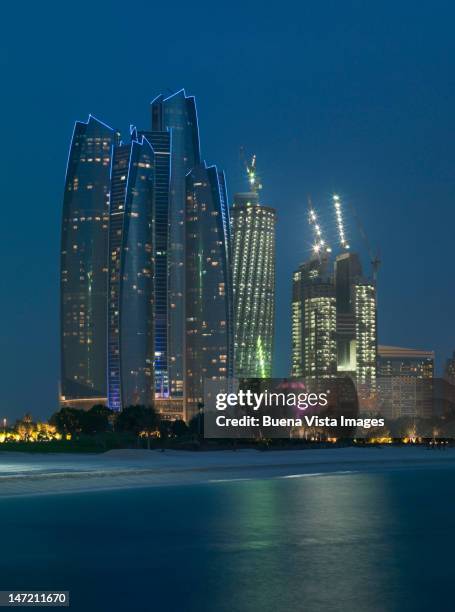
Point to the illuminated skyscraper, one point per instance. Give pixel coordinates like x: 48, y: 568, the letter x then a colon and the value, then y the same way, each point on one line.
x: 83, y: 289
x: 356, y: 321
x: 366, y: 340
x: 319, y: 324
x: 131, y: 255
x: 177, y: 114
x: 253, y: 229
x: 348, y: 272
x: 314, y: 345
x: 161, y: 143
x: 209, y: 299
x: 334, y: 330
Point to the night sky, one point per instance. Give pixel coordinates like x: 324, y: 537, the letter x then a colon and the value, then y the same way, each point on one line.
x: 331, y: 96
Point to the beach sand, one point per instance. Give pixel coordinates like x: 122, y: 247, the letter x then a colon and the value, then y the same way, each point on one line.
x: 38, y: 474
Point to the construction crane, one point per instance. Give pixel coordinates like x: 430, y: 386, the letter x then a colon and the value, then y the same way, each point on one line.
x: 320, y: 246
x: 340, y: 224
x: 253, y: 178
x: 375, y: 260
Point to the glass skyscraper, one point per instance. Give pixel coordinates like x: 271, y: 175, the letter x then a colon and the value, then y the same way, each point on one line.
x: 130, y: 349
x: 209, y: 299
x: 253, y: 228
x: 161, y: 143
x: 177, y: 114
x: 83, y: 265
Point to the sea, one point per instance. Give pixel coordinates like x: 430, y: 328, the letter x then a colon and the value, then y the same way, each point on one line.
x: 362, y: 542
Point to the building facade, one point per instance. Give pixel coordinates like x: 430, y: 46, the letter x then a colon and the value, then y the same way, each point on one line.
x: 209, y: 342
x: 319, y: 331
x: 130, y: 347
x: 314, y: 344
x: 253, y: 229
x: 449, y: 370
x: 177, y: 115
x: 366, y: 339
x: 161, y: 143
x: 405, y: 378
x: 347, y: 273
x: 83, y: 265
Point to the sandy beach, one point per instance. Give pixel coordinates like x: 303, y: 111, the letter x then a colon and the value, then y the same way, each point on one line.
x: 26, y: 474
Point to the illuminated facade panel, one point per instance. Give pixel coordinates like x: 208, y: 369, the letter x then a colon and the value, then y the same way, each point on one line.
x: 319, y: 332
x: 83, y: 264
x: 253, y: 228
x: 209, y: 303
x: 131, y: 262
x: 308, y: 273
x: 177, y: 115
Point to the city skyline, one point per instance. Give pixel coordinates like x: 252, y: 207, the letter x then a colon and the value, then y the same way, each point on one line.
x: 218, y: 264
x: 367, y: 116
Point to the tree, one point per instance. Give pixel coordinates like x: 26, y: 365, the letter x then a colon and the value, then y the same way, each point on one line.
x: 67, y: 420
x: 137, y: 419
x: 179, y: 428
x: 96, y: 420
x: 196, y: 424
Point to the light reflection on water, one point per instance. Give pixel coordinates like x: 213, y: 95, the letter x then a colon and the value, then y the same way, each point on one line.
x: 366, y: 542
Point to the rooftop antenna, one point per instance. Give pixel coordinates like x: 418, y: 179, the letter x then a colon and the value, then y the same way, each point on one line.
x: 339, y: 217
x: 320, y: 246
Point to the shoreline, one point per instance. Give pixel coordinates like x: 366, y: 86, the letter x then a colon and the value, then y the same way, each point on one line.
x: 25, y: 475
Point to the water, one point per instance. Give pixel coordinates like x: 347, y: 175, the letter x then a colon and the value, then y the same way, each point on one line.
x: 365, y: 542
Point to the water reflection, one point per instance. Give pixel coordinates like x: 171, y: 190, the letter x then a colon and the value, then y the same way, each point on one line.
x: 308, y: 544
x: 367, y: 542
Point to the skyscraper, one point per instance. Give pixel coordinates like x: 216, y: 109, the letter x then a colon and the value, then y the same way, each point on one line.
x: 366, y: 339
x: 253, y: 229
x: 209, y: 299
x: 314, y: 345
x: 334, y: 329
x: 177, y: 114
x: 356, y: 321
x: 348, y: 271
x: 161, y: 143
x: 131, y: 245
x: 130, y: 349
x: 83, y: 289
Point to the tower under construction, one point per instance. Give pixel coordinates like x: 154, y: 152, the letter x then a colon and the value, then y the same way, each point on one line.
x: 334, y: 329
x: 253, y: 230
